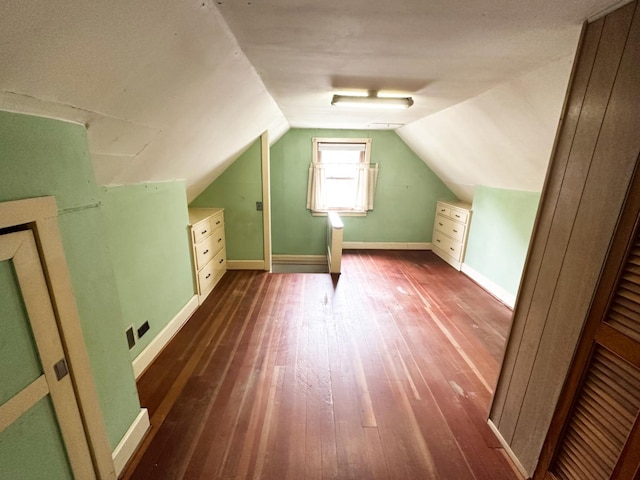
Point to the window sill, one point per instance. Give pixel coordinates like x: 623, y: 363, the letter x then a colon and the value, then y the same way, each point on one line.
x: 342, y: 214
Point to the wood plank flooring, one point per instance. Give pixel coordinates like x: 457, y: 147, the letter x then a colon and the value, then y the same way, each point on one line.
x: 384, y: 373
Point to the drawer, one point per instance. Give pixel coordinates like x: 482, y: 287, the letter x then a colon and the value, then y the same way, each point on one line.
x: 219, y: 262
x: 459, y: 215
x: 212, y: 271
x: 206, y: 277
x: 443, y: 210
x: 217, y: 220
x: 217, y: 240
x: 201, y: 230
x: 209, y: 247
x: 450, y: 228
x: 205, y: 251
x: 447, y: 245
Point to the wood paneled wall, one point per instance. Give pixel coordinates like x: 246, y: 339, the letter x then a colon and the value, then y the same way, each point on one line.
x: 594, y: 158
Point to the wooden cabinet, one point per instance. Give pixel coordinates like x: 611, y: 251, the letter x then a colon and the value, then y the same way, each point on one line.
x: 208, y: 248
x: 450, y: 231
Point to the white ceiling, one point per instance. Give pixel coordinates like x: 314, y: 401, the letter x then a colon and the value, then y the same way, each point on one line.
x: 178, y: 89
x: 440, y: 52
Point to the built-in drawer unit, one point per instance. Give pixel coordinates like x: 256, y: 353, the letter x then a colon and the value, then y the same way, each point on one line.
x: 208, y: 248
x: 450, y: 230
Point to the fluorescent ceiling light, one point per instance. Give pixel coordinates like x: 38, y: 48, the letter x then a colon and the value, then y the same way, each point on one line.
x: 371, y: 101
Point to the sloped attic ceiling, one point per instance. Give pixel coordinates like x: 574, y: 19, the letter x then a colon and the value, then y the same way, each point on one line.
x: 440, y: 52
x: 501, y: 138
x: 164, y: 89
x: 168, y: 91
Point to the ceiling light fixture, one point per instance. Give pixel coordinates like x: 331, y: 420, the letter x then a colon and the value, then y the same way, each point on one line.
x: 371, y: 101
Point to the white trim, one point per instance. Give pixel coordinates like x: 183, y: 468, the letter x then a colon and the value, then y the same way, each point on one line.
x: 508, y: 450
x: 131, y: 441
x: 34, y: 111
x: 144, y: 359
x: 18, y: 405
x: 245, y: 265
x: 300, y: 259
x: 494, y: 289
x: 335, y: 230
x: 386, y: 245
x: 342, y: 213
x: 266, y: 199
x: 19, y: 212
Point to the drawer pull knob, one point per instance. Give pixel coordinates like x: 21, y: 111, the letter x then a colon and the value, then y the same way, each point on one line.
x: 439, y: 224
x: 437, y: 240
x: 219, y: 240
x: 205, y: 252
x: 442, y: 209
x: 207, y: 277
x: 218, y: 222
x: 457, y: 216
x: 455, y: 231
x: 203, y: 232
x: 221, y: 261
x: 452, y: 249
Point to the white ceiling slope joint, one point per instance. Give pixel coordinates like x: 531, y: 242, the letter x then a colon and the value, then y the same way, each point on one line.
x: 31, y: 105
x: 232, y: 37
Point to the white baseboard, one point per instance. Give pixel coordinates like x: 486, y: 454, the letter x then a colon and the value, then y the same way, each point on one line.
x: 386, y: 246
x: 507, y: 449
x: 131, y: 440
x: 245, y: 264
x: 299, y: 259
x: 144, y: 359
x: 497, y: 291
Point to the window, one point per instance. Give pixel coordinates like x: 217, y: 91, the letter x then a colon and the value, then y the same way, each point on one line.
x: 341, y: 178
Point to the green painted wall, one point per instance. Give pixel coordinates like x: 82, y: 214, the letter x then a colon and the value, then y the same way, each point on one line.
x: 500, y: 232
x: 237, y: 190
x: 405, y: 202
x: 39, y: 156
x: 148, y: 241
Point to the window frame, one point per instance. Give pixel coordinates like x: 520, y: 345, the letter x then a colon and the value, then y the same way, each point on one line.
x: 316, y: 141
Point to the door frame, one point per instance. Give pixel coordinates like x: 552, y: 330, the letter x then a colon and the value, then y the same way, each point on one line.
x: 266, y: 198
x: 40, y: 215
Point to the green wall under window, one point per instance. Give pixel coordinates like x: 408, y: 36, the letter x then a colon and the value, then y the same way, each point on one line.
x: 148, y: 240
x: 39, y: 157
x: 237, y: 190
x: 405, y: 199
x: 501, y: 228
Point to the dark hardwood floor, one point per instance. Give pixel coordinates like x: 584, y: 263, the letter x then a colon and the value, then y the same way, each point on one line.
x: 385, y: 373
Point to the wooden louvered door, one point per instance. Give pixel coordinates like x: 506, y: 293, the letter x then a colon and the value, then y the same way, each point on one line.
x: 595, y: 432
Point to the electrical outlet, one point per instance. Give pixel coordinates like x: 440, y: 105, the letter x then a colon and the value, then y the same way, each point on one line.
x: 259, y: 206
x: 131, y: 338
x: 144, y: 328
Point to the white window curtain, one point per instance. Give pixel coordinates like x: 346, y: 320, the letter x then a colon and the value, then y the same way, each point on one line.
x: 367, y: 179
x: 362, y: 188
x: 316, y: 194
x: 372, y: 175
